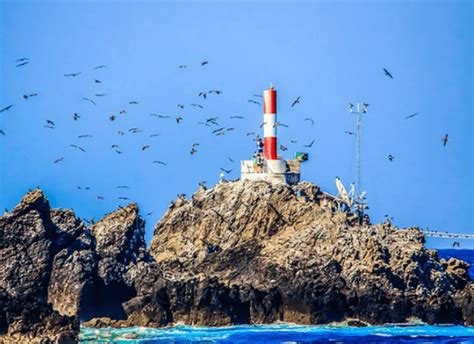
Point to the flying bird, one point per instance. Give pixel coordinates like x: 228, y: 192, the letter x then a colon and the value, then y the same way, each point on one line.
x: 309, y: 119
x: 253, y: 102
x: 2, y: 132
x: 445, y: 140
x: 100, y: 94
x: 112, y: 118
x: 193, y: 151
x: 390, y: 157
x: 6, y: 108
x: 72, y: 74
x: 76, y: 116
x: 226, y: 171
x: 100, y: 197
x: 179, y: 119
x: 120, y: 132
x: 154, y: 135
x: 124, y: 198
x: 203, y: 63
x: 22, y: 64
x: 133, y: 102
x: 236, y: 117
x: 145, y: 147
x: 58, y: 160
x: 257, y: 95
x: 100, y: 67
x: 89, y: 100
x: 296, y: 101
x: 181, y: 106
x: 122, y: 187
x: 351, y: 106
x: 387, y: 73
x: 82, y: 136
x: 197, y: 105
x: 279, y: 124
x: 310, y: 145
x: 216, y: 92
x: 183, y: 66
x: 230, y: 159
x: 78, y: 147
x: 97, y: 81
x: 202, y: 94
x: 50, y: 122
x: 26, y: 96
x: 412, y: 115
x: 349, y: 132
x: 159, y: 162
x: 22, y: 59
x: 283, y: 148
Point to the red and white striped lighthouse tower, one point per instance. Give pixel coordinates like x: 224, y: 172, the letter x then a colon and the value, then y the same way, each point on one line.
x: 269, y: 124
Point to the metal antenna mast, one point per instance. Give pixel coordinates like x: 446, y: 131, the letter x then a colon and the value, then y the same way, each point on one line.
x: 358, y: 111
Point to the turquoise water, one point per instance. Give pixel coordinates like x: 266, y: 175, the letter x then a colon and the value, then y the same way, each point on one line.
x: 282, y: 333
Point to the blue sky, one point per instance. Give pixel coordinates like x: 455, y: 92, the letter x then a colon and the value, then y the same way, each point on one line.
x: 327, y: 52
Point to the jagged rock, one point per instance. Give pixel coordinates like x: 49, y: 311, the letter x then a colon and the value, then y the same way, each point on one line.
x: 318, y: 265
x: 240, y: 252
x: 29, y: 242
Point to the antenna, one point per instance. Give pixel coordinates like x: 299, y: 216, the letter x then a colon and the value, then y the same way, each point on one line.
x: 358, y: 111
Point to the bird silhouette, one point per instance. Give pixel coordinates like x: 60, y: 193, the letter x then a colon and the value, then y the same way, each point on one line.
x: 82, y: 136
x: 387, y: 73
x: 215, y: 91
x: 78, y: 147
x: 97, y: 81
x: 193, y: 151
x: 296, y: 101
x: 89, y: 100
x: 123, y: 112
x: 226, y: 171
x: 6, y: 108
x: 203, y: 63
x: 159, y: 162
x: 100, y: 67
x: 202, y: 94
x: 133, y: 102
x: 179, y: 119
x: 145, y: 147
x: 122, y: 187
x: 112, y: 118
x: 154, y: 135
x: 197, y: 105
x: 349, y: 132
x: 181, y: 106
x: 445, y: 140
x: 230, y: 159
x: 283, y: 148
x: 22, y: 59
x: 2, y: 132
x: 50, y: 122
x: 236, y: 117
x: 58, y: 160
x: 100, y: 94
x: 390, y: 157
x: 310, y: 120
x: 26, y: 96
x: 257, y: 96
x: 76, y: 116
x: 22, y: 64
x: 310, y: 145
x: 253, y: 101
x: 72, y: 74
x: 412, y: 115
x: 124, y: 198
x: 183, y: 66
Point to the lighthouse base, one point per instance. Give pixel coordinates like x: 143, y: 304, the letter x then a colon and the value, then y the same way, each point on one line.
x: 272, y: 171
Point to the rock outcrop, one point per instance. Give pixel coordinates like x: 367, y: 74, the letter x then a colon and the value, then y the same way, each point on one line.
x: 241, y: 252
x: 30, y: 241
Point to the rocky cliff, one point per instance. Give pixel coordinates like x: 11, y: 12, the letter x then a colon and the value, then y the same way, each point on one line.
x: 241, y: 252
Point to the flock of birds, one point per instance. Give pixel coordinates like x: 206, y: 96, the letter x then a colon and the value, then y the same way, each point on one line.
x: 212, y: 122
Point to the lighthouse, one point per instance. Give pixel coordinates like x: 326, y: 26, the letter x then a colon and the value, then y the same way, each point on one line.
x: 270, y: 166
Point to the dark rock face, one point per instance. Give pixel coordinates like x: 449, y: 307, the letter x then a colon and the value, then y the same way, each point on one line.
x: 238, y: 253
x: 30, y: 241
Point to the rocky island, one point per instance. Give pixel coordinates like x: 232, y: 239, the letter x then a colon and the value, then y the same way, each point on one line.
x: 241, y: 252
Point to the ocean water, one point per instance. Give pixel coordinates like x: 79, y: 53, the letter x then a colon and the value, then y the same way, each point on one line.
x: 286, y: 333
x: 282, y: 333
